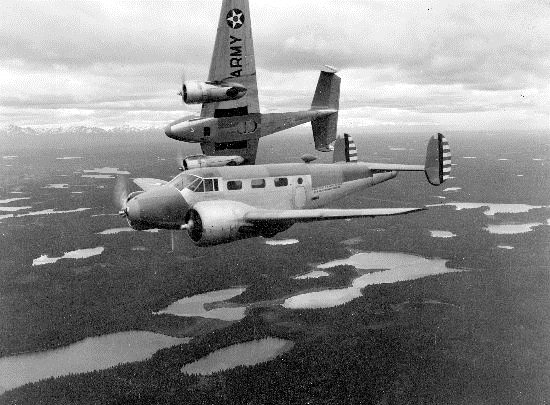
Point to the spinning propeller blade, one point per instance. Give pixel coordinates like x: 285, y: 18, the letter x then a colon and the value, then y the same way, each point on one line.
x: 120, y: 194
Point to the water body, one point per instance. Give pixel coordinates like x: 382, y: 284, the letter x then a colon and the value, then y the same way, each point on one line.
x: 282, y: 242
x: 90, y: 354
x: 194, y: 306
x: 98, y: 176
x: 511, y: 229
x: 51, y: 211
x: 106, y: 170
x: 401, y: 267
x: 442, y: 234
x: 493, y: 209
x: 312, y: 274
x: 243, y: 354
x: 10, y: 200
x: 57, y: 186
x: 13, y: 209
x: 75, y: 254
x: 114, y: 231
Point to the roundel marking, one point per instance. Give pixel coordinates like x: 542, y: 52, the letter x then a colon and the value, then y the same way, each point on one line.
x: 235, y: 18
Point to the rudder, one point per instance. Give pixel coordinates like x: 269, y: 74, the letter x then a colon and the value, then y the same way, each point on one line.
x: 438, y: 160
x: 327, y: 97
x: 345, y: 150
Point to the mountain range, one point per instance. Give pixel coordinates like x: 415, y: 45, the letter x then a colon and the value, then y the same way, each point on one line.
x: 16, y: 137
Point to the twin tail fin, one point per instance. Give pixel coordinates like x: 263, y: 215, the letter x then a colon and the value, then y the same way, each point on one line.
x: 344, y: 150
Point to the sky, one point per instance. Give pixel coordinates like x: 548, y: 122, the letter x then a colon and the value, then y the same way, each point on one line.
x: 406, y: 65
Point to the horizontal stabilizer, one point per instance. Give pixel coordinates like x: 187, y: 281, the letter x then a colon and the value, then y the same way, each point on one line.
x: 323, y: 214
x: 392, y: 167
x: 147, y: 183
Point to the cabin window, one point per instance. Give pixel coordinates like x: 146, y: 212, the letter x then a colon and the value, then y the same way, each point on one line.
x: 258, y: 183
x: 281, y: 182
x: 234, y: 185
x: 206, y: 131
x: 300, y: 180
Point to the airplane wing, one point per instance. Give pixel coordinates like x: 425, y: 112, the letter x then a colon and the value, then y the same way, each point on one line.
x: 233, y: 61
x: 323, y: 214
x: 147, y: 183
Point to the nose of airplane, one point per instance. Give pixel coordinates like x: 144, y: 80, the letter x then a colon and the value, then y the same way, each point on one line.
x: 168, y: 131
x: 160, y: 207
x: 132, y: 210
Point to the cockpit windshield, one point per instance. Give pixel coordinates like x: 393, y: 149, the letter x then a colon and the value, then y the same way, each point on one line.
x: 183, y: 180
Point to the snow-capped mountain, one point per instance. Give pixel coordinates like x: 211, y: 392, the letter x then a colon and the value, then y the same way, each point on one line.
x: 13, y: 136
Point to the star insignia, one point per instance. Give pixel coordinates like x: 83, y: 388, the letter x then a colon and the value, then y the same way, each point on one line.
x: 235, y: 18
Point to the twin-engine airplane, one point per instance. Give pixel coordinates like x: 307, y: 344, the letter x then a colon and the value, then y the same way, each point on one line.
x: 225, y: 204
x: 230, y: 122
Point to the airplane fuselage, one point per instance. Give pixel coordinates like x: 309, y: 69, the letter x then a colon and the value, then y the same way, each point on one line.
x: 224, y: 204
x: 233, y: 190
x: 237, y: 134
x: 286, y: 186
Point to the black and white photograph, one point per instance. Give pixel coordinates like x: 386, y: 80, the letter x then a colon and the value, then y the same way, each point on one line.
x: 275, y: 202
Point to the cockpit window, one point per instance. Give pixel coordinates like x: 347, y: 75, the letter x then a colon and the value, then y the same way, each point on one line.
x: 197, y: 186
x: 184, y: 181
x: 210, y: 185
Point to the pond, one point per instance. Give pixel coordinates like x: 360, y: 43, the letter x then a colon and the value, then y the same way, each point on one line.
x: 194, y: 306
x: 401, y: 267
x: 243, y: 354
x: 90, y: 354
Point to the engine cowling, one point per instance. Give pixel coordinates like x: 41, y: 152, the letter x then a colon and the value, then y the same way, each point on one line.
x: 198, y: 161
x: 216, y: 222
x: 201, y: 92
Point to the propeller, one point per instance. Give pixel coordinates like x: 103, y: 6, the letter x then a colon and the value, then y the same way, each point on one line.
x: 120, y: 195
x: 182, y: 81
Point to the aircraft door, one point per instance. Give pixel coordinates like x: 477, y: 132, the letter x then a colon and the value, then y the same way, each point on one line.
x: 300, y: 196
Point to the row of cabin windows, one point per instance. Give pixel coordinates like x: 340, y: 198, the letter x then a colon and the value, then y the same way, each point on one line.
x: 199, y: 185
x: 234, y: 185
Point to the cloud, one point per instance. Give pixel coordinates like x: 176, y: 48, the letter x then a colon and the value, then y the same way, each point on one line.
x: 110, y: 61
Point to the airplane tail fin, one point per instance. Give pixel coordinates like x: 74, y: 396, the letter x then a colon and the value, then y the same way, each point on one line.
x: 327, y: 97
x: 344, y: 150
x: 438, y: 160
x: 233, y: 60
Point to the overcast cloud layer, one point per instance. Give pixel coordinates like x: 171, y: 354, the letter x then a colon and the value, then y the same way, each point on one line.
x: 405, y: 65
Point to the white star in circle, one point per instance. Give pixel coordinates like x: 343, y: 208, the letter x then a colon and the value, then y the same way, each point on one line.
x: 235, y: 18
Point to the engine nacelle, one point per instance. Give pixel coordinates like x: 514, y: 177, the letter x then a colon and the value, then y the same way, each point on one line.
x: 216, y: 222
x: 201, y: 92
x: 198, y: 161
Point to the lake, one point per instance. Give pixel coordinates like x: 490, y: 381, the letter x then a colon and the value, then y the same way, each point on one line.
x: 401, y: 267
x: 90, y: 354
x: 194, y: 306
x: 242, y: 354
